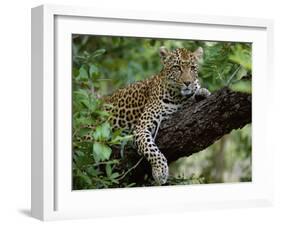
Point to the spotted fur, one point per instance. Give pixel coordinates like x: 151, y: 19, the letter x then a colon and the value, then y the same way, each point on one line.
x: 142, y: 106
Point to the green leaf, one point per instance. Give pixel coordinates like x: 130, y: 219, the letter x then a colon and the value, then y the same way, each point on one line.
x: 102, y: 132
x: 131, y: 185
x: 92, y: 171
x: 114, y: 175
x: 97, y: 53
x: 97, y: 151
x: 83, y: 74
x: 81, y: 92
x: 94, y: 71
x: 79, y: 153
x: 108, y: 170
x: 84, y: 177
x: 98, y: 134
x: 102, y: 113
x: 75, y: 72
x: 86, y: 104
x: 105, y: 130
x: 101, y: 152
x: 118, y: 139
x: 242, y: 86
x: 115, y: 181
x: 81, y: 159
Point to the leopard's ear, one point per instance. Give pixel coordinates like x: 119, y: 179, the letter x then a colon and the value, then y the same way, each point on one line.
x: 163, y: 52
x: 198, y: 53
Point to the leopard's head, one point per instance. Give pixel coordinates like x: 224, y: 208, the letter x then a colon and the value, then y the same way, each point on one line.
x: 180, y: 68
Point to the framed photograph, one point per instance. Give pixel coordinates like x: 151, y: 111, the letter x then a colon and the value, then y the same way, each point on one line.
x: 146, y: 112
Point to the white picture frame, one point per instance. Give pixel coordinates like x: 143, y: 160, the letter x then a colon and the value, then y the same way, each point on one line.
x: 52, y: 197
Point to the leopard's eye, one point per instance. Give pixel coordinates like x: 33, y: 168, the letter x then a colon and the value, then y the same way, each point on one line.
x: 193, y: 68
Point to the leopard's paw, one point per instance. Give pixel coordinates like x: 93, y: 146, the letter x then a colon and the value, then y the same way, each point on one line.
x: 160, y: 172
x: 202, y: 93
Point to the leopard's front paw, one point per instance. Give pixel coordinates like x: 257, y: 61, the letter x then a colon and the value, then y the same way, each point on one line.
x: 201, y: 94
x: 160, y: 172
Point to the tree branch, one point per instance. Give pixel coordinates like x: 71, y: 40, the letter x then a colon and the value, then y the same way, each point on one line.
x: 196, y: 127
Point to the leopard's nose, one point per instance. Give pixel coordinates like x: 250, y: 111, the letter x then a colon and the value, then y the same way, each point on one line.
x: 187, y: 83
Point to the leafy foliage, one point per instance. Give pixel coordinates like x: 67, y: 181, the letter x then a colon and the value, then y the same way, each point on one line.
x: 93, y: 166
x: 104, y: 64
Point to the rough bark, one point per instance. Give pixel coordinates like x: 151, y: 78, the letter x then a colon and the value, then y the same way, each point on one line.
x: 196, y: 127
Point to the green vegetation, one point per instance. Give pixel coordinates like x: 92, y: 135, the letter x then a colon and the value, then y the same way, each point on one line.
x: 104, y: 64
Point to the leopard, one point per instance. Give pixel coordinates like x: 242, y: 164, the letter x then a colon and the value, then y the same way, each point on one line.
x: 142, y: 106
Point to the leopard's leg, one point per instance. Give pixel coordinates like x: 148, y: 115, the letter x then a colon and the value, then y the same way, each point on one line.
x: 144, y: 133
